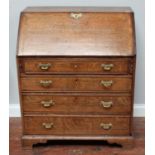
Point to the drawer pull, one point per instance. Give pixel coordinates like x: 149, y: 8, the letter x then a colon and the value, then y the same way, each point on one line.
x: 107, y: 83
x: 45, y: 83
x: 76, y: 15
x: 45, y: 66
x: 106, y: 126
x: 47, y: 104
x: 106, y: 104
x: 48, y: 125
x: 107, y: 67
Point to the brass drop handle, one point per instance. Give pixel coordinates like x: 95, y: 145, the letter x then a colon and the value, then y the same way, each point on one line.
x: 45, y: 83
x: 107, y: 67
x: 47, y: 104
x: 76, y: 15
x: 106, y: 104
x: 107, y: 83
x: 48, y: 125
x: 44, y: 66
x: 106, y: 126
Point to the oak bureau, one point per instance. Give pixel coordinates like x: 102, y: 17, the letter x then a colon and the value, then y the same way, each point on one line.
x: 76, y: 70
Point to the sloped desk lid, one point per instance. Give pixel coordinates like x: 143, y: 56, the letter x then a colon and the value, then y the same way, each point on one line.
x: 96, y: 32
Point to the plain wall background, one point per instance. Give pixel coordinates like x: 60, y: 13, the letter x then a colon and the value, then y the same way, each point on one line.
x: 138, y: 6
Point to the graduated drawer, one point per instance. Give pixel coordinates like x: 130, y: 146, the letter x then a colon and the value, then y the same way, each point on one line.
x: 76, y: 66
x: 59, y: 83
x: 81, y: 103
x: 76, y: 125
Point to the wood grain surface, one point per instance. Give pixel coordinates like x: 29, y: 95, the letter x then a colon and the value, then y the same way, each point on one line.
x: 60, y: 83
x: 95, y: 33
x: 76, y: 125
x: 76, y: 65
x: 76, y: 103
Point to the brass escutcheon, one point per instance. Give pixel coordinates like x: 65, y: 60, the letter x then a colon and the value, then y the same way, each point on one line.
x: 76, y: 15
x: 44, y: 66
x: 47, y: 104
x: 45, y: 83
x: 107, y: 67
x: 48, y: 125
x: 106, y: 126
x: 106, y: 104
x: 107, y: 83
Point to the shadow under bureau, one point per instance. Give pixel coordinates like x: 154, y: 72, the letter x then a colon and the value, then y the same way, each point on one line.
x: 76, y: 70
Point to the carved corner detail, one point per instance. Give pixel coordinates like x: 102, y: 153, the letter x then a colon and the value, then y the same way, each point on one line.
x: 131, y: 66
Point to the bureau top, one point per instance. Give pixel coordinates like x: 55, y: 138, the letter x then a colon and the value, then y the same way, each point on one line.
x: 76, y: 31
x: 77, y: 9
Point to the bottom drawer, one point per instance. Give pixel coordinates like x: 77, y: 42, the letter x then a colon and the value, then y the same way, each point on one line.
x: 76, y: 125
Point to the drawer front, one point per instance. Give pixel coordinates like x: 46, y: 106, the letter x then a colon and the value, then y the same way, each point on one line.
x: 76, y: 125
x: 77, y: 103
x: 76, y: 83
x: 74, y: 66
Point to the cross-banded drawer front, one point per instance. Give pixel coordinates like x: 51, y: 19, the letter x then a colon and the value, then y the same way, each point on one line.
x: 77, y: 83
x: 76, y: 125
x: 76, y: 66
x: 77, y: 103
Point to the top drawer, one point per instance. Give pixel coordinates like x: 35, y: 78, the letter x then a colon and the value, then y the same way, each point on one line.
x: 76, y: 65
